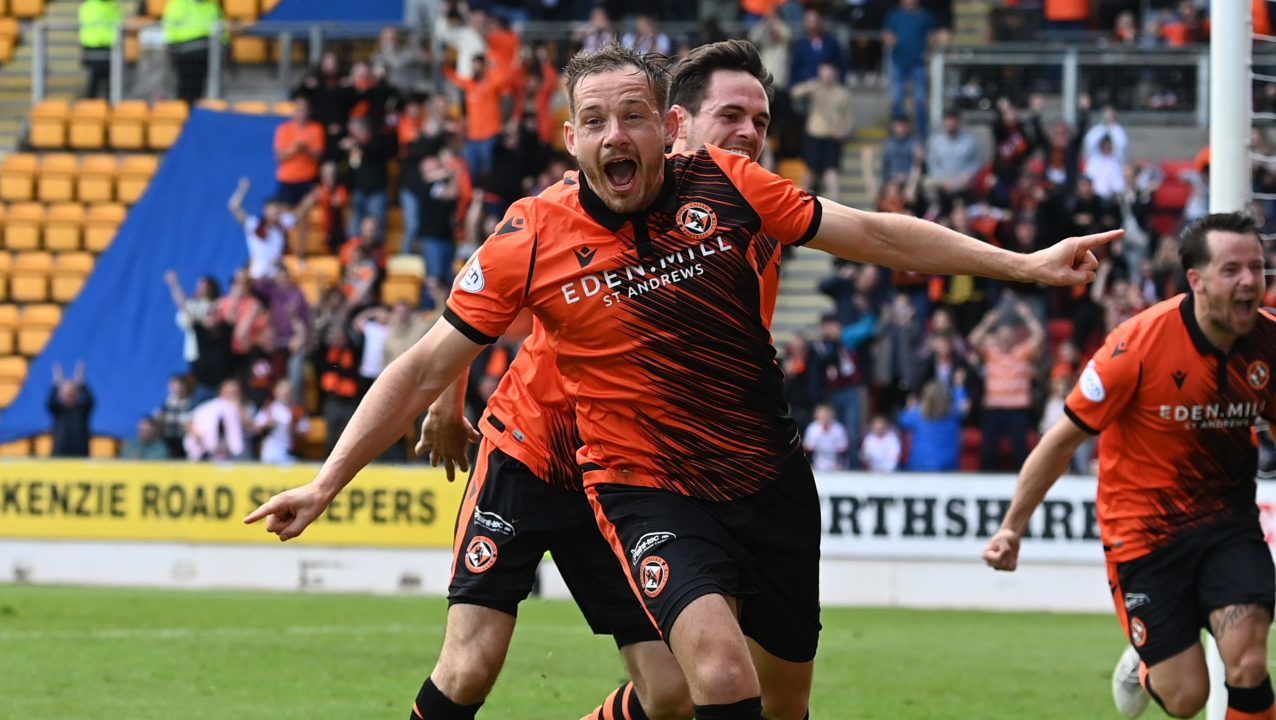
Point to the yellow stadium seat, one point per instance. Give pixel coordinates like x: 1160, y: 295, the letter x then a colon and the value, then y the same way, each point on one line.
x: 298, y: 51
x: 165, y: 124
x: 17, y: 448
x: 8, y: 46
x: 249, y: 49
x: 214, y: 104
x: 22, y: 225
x: 251, y: 107
x: 29, y: 279
x: 70, y: 271
x: 44, y: 315
x: 311, y: 288
x: 48, y: 124
x: 8, y: 342
x: 13, y: 368
x: 96, y: 180
x: 401, y: 289
x: 268, y: 5
x: 241, y: 9
x: 8, y: 316
x: 412, y: 266
x: 324, y: 268
x: 283, y: 107
x: 135, y: 174
x: 6, y: 262
x: 127, y: 128
x: 88, y: 124
x: 101, y: 225
x: 27, y: 9
x: 9, y: 27
x: 56, y: 179
x: 35, y: 327
x: 101, y: 446
x: 63, y: 227
x: 42, y: 446
x: 17, y: 177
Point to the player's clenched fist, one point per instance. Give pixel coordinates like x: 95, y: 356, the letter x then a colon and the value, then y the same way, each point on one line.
x: 1002, y: 552
x: 288, y: 513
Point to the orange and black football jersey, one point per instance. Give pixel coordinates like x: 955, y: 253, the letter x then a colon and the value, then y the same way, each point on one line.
x: 1177, y: 418
x: 657, y: 319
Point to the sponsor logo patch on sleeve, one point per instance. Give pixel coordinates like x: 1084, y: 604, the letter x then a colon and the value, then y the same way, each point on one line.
x: 1092, y: 385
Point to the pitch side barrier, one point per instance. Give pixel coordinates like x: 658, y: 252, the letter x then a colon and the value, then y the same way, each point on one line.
x: 901, y: 539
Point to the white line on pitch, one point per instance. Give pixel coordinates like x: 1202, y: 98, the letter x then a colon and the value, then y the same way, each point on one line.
x: 182, y: 633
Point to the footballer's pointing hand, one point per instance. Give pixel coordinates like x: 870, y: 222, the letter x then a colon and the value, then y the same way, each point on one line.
x: 288, y: 513
x: 1002, y: 552
x: 1071, y: 261
x: 447, y: 439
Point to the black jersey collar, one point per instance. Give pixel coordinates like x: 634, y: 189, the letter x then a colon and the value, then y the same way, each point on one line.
x: 612, y: 220
x: 1203, y: 345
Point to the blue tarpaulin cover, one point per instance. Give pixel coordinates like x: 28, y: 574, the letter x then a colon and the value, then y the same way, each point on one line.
x: 123, y: 322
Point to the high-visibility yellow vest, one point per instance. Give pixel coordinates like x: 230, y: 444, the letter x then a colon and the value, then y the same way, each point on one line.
x: 184, y: 21
x: 98, y: 20
x: 209, y: 13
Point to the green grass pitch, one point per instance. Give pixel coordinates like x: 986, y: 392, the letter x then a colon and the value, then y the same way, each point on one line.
x: 163, y: 655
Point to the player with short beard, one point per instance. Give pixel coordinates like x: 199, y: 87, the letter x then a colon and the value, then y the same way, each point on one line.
x: 688, y: 453
x: 1175, y: 392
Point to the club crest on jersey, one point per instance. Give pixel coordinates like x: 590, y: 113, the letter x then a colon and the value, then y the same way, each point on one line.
x: 472, y: 276
x: 480, y: 555
x: 697, y: 220
x: 1138, y: 633
x: 1258, y: 374
x: 655, y: 574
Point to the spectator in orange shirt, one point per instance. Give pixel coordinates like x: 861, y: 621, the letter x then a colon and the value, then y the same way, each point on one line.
x: 1008, y: 373
x: 483, y: 118
x: 332, y: 200
x: 299, y: 145
x: 1068, y: 14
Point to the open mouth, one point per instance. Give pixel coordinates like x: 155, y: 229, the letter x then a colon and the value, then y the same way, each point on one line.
x: 621, y: 173
x: 1245, y: 306
x: 747, y: 152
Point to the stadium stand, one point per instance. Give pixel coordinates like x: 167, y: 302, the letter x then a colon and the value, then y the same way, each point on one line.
x: 121, y: 323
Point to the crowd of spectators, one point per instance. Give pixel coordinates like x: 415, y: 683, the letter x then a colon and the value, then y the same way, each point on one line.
x: 969, y: 372
x: 444, y: 130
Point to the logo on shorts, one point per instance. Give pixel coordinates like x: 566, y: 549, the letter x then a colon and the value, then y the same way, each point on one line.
x: 1258, y: 374
x: 655, y: 573
x: 472, y: 276
x: 1133, y: 600
x: 480, y: 556
x: 647, y: 542
x: 697, y: 220
x: 1138, y: 632
x: 493, y: 522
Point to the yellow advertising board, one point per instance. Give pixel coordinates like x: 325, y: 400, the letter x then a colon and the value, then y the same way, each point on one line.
x: 411, y: 506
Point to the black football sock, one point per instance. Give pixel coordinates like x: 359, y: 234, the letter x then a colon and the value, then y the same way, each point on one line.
x: 432, y: 704
x: 750, y: 709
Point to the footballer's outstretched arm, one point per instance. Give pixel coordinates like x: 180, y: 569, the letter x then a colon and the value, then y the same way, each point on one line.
x: 1043, y: 467
x: 401, y: 392
x: 908, y: 243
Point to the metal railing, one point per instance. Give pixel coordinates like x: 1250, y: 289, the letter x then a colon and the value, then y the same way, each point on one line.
x: 317, y: 37
x: 1161, y: 86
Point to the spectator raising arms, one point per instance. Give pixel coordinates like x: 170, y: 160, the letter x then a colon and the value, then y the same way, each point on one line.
x: 71, y: 405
